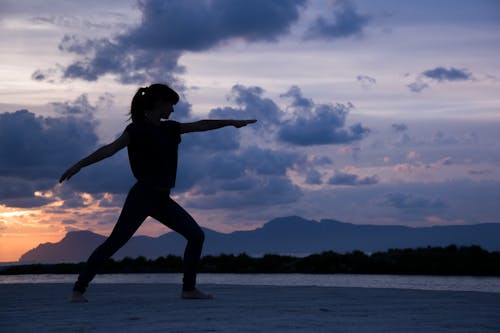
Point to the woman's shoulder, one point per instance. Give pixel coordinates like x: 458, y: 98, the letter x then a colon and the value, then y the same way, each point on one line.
x: 171, y: 125
x: 135, y: 125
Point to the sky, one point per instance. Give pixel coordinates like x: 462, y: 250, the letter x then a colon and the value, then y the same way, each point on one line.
x: 369, y: 112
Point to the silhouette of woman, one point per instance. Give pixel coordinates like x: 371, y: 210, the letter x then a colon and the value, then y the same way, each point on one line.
x: 152, y: 143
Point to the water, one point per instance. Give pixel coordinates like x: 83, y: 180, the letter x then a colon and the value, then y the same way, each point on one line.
x: 419, y: 282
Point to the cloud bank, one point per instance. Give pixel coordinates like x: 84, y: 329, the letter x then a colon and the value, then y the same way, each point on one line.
x: 344, y: 21
x: 150, y: 50
x: 318, y: 124
x: 447, y: 74
x: 217, y: 168
x: 439, y: 74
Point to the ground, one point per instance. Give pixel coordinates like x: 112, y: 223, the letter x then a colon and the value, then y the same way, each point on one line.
x: 158, y: 308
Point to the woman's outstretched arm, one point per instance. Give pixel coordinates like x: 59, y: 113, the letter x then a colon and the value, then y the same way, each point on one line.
x: 99, y: 154
x: 209, y: 124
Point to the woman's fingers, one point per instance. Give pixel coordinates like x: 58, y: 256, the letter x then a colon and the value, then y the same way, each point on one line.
x: 68, y: 174
x: 241, y: 123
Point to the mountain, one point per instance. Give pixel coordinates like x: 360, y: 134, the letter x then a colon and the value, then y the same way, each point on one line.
x: 286, y: 235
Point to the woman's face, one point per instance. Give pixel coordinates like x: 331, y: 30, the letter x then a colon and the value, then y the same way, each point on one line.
x: 163, y: 109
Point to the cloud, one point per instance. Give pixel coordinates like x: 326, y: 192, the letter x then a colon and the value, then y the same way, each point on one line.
x: 366, y: 81
x: 249, y: 166
x: 298, y: 100
x: 350, y: 179
x: 412, y: 204
x: 309, y: 123
x: 224, y: 139
x: 441, y: 74
x: 325, y: 124
x: 344, y: 21
x: 36, y: 147
x: 46, y: 74
x: 399, y: 127
x: 251, y: 105
x: 151, y: 50
x: 208, y: 172
x: 259, y: 192
x: 80, y: 106
x: 20, y: 192
x: 443, y: 161
x: 479, y: 172
x: 313, y: 177
x: 417, y: 86
x: 440, y: 138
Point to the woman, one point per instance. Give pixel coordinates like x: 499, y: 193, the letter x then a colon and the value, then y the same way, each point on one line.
x: 152, y: 146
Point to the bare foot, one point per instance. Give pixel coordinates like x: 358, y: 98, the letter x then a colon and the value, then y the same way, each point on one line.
x: 77, y: 297
x: 195, y: 294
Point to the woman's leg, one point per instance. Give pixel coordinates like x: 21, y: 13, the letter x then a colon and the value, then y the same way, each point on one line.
x: 171, y: 214
x: 134, y: 212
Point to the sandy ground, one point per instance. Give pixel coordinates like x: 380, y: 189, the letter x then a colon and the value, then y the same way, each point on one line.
x: 158, y: 308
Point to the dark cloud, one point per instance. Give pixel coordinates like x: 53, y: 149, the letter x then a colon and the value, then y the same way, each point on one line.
x: 182, y: 110
x: 479, y: 172
x: 411, y: 203
x: 310, y: 124
x: 36, y: 150
x: 448, y: 74
x: 313, y: 177
x: 216, y: 167
x: 192, y: 25
x: 325, y: 124
x: 259, y: 192
x: 366, y: 81
x: 343, y: 22
x: 75, y: 22
x: 321, y: 160
x: 439, y: 74
x: 251, y: 105
x: 224, y: 139
x: 80, y: 106
x: 350, y: 179
x: 151, y: 50
x: 444, y: 161
x: 440, y: 138
x: 270, y: 162
x: 399, y: 127
x: 417, y: 86
x: 298, y: 100
x: 207, y: 171
x: 36, y: 147
x: 44, y: 75
x: 20, y: 192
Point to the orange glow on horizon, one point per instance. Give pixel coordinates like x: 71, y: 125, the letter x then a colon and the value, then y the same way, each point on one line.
x: 22, y: 229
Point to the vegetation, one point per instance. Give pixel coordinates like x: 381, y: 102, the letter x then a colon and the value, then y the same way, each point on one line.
x: 451, y: 260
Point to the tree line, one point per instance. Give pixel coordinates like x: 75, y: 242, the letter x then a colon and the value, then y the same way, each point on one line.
x: 450, y: 260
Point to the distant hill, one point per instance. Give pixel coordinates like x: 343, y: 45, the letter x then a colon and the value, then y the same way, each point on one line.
x: 287, y: 235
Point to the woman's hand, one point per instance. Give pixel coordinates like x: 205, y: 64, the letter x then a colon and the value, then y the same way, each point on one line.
x: 70, y: 172
x: 241, y: 123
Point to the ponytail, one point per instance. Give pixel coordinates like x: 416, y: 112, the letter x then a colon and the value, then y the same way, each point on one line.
x: 146, y: 97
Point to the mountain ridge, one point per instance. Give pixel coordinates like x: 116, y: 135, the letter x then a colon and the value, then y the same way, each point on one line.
x: 284, y: 235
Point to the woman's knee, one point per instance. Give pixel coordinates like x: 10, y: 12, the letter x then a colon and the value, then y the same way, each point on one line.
x: 197, y: 236
x: 111, y: 245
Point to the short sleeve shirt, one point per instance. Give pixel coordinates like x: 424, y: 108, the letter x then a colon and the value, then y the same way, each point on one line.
x: 153, y: 152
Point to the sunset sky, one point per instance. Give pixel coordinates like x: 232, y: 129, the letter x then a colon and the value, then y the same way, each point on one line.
x: 370, y: 112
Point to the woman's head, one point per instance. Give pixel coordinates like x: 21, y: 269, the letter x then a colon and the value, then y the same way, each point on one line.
x: 146, y: 99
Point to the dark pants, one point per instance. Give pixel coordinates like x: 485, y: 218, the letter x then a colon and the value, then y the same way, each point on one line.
x: 143, y: 201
